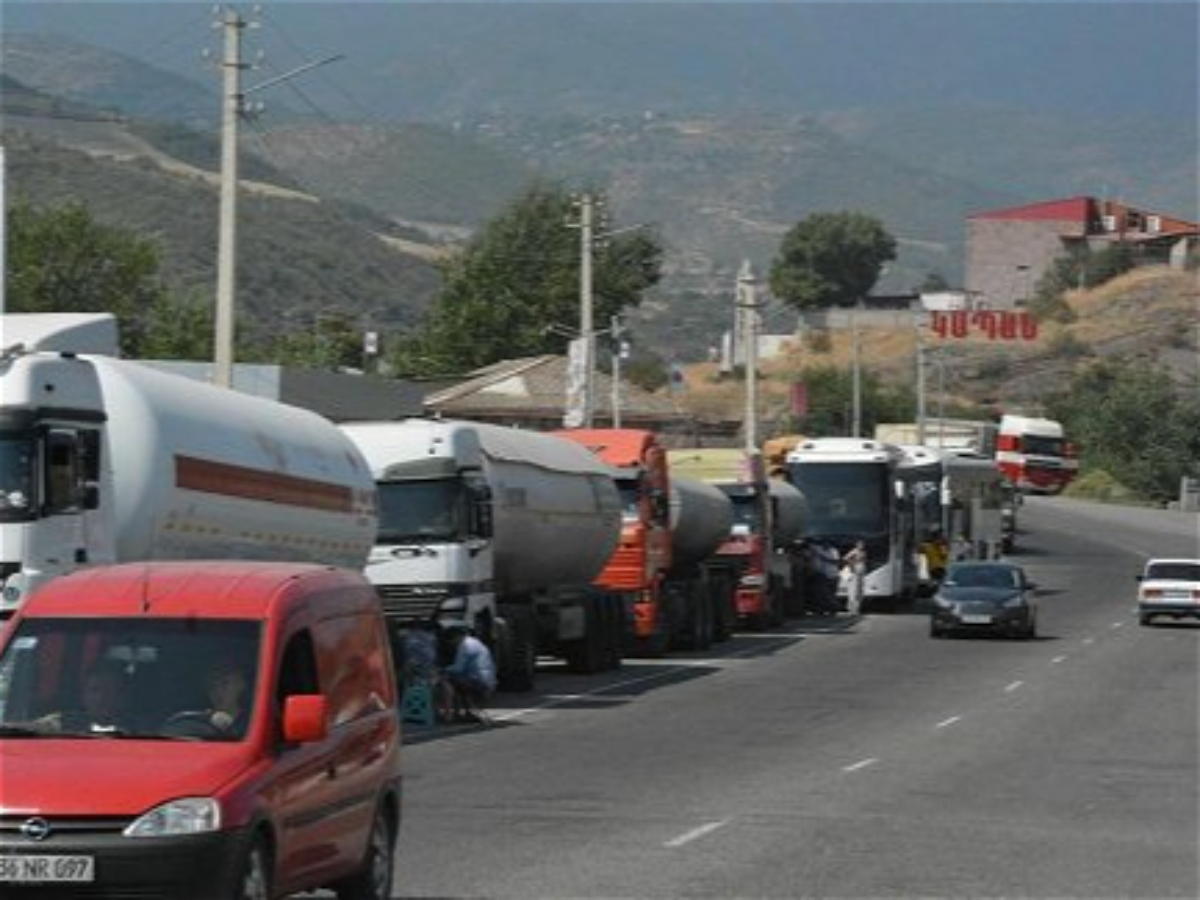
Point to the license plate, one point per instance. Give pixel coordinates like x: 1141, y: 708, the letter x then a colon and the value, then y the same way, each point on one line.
x: 976, y: 620
x: 29, y: 868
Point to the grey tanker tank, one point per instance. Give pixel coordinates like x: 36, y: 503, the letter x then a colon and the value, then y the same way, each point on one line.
x: 701, y: 518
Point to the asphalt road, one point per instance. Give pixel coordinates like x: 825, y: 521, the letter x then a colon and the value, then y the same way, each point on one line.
x: 846, y: 758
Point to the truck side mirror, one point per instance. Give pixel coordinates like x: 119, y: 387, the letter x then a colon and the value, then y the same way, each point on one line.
x: 481, y: 512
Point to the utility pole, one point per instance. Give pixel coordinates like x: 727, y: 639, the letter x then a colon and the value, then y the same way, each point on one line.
x: 616, y: 335
x: 920, y: 379
x: 231, y: 110
x: 747, y: 306
x: 587, y: 328
x: 233, y: 107
x: 856, y: 417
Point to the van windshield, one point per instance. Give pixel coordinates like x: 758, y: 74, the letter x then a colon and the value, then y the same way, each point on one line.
x: 184, y: 679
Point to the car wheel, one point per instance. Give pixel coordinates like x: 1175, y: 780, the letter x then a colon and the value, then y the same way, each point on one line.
x: 935, y: 631
x: 1145, y: 619
x: 255, y: 880
x: 373, y: 880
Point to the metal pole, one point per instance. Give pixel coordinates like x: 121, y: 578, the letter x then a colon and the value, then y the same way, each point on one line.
x: 227, y: 237
x: 586, y: 325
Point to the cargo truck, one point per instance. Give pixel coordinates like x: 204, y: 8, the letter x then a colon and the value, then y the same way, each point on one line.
x: 104, y: 460
x: 504, y: 529
x: 671, y: 526
x: 748, y: 548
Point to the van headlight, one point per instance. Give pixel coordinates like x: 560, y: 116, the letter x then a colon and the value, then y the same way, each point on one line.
x: 189, y: 815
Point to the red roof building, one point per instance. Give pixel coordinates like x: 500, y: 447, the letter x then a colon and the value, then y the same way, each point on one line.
x: 1008, y: 250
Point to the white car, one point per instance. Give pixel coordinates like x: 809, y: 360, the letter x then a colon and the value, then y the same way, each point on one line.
x: 1169, y: 587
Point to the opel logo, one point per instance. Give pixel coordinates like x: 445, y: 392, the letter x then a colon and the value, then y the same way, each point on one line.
x: 36, y: 829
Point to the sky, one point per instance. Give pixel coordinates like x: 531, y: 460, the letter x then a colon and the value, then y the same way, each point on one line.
x: 1096, y: 58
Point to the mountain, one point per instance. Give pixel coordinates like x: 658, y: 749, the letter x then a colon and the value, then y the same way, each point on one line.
x: 705, y: 139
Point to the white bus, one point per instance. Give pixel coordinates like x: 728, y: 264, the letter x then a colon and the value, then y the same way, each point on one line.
x: 855, y: 492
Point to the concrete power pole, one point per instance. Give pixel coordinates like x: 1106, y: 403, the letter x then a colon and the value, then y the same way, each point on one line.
x: 587, y: 328
x: 231, y: 110
x: 747, y: 304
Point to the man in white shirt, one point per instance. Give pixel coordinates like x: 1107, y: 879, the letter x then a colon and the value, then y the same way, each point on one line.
x: 470, y: 679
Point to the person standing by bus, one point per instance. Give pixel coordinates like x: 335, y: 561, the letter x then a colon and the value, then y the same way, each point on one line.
x: 854, y: 564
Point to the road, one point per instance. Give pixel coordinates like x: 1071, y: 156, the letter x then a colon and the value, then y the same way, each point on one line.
x: 846, y: 758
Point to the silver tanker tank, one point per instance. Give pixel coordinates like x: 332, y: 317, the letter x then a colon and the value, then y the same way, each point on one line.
x: 789, y: 508
x: 701, y: 519
x: 556, y: 509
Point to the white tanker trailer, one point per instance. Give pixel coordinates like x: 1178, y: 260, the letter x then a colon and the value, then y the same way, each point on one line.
x: 505, y: 529
x: 104, y: 460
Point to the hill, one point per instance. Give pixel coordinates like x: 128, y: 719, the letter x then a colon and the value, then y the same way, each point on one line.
x: 1146, y: 317
x: 719, y: 182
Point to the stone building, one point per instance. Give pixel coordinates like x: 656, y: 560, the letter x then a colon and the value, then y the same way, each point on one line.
x: 1008, y: 250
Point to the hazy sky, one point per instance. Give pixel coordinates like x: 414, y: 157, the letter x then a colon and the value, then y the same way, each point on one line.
x: 1096, y: 58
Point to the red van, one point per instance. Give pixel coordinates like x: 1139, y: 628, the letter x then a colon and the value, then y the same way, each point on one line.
x: 204, y: 729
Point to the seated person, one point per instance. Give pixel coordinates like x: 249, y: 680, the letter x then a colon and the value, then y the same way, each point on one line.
x: 470, y: 679
x: 225, y: 715
x: 103, y: 699
x: 226, y: 685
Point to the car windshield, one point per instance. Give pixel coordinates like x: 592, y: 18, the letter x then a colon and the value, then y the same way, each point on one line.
x: 1174, y: 571
x: 129, y: 678
x: 983, y: 576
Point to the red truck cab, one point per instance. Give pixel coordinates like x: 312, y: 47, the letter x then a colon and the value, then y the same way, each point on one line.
x: 182, y: 784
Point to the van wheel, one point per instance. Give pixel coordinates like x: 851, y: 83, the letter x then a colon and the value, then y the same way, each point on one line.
x: 255, y: 881
x: 373, y: 881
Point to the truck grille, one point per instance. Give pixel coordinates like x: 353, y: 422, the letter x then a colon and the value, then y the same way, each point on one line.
x: 410, y: 603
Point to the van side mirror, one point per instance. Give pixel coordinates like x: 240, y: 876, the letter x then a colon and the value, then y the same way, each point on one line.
x: 305, y: 718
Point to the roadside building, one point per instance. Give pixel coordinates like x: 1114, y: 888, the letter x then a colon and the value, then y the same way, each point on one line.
x: 1009, y: 250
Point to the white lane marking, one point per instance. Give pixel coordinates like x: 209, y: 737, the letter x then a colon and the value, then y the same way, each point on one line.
x: 946, y: 723
x: 1058, y: 659
x: 1116, y: 625
x: 1089, y: 640
x: 696, y: 833
x: 861, y: 764
x: 1016, y: 685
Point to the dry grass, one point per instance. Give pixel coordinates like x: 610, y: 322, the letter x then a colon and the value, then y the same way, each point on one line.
x: 1147, y: 315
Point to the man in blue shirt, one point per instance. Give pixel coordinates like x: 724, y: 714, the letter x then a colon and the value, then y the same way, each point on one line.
x: 470, y: 679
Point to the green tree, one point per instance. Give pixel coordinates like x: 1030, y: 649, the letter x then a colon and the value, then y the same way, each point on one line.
x: 178, y: 329
x: 1134, y: 424
x: 515, y: 290
x: 830, y: 393
x: 830, y: 259
x: 63, y: 260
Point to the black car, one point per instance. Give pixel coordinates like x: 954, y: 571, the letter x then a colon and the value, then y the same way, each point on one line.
x: 984, y: 596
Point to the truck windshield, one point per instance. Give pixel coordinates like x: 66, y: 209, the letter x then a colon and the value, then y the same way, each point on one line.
x: 1036, y: 445
x: 844, y: 499
x: 146, y: 678
x: 631, y: 491
x: 426, y: 510
x: 746, y: 511
x: 17, y: 478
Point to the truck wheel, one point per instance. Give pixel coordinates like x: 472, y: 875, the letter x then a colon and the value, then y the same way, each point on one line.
x: 520, y: 660
x: 614, y: 621
x: 588, y: 654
